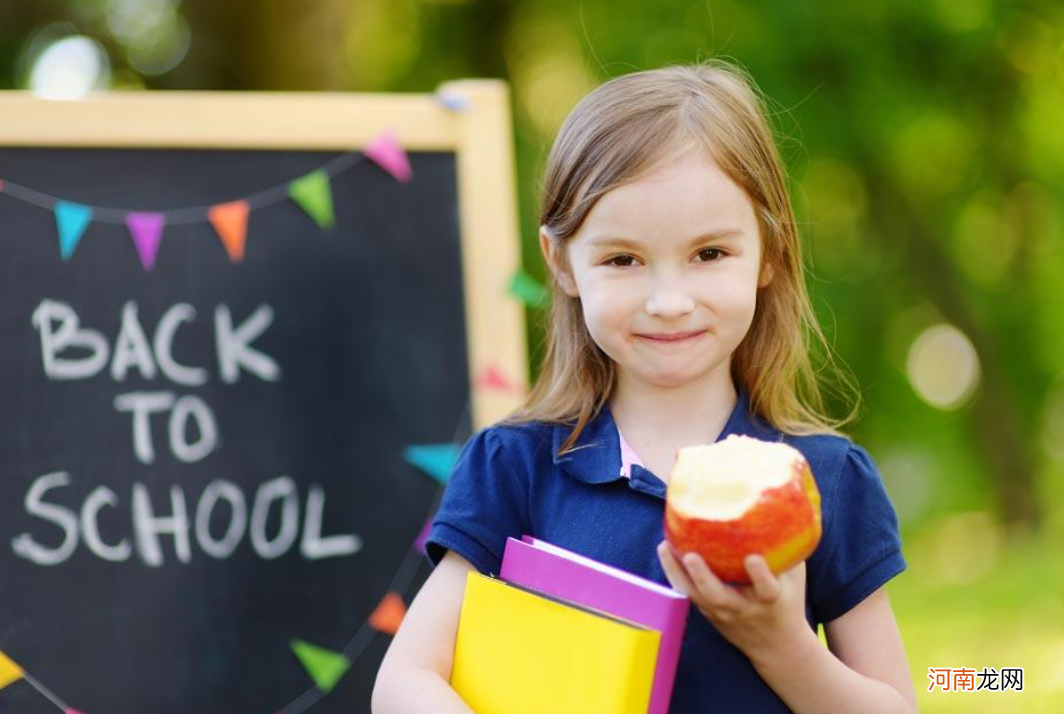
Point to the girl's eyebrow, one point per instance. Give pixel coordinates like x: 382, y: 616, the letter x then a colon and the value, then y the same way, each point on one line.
x: 718, y: 234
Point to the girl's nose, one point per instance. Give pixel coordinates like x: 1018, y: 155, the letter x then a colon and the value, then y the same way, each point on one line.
x: 669, y: 301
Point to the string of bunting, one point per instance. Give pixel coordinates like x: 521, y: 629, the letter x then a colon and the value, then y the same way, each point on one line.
x: 313, y: 193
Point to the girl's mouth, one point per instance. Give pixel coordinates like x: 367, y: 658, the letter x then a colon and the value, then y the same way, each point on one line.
x: 673, y: 337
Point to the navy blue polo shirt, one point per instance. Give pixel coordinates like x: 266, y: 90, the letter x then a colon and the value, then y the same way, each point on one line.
x: 509, y: 481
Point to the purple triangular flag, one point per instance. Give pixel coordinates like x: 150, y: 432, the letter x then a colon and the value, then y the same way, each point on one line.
x: 147, y: 231
x: 423, y: 536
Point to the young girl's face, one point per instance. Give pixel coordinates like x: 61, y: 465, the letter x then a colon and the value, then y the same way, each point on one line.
x: 675, y: 252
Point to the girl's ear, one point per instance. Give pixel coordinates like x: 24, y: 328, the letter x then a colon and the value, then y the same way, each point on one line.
x: 556, y: 262
x: 768, y: 273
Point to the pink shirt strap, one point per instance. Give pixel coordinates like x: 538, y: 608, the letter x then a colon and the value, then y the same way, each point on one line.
x: 628, y: 457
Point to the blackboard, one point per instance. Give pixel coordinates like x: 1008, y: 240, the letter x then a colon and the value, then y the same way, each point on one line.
x: 202, y: 463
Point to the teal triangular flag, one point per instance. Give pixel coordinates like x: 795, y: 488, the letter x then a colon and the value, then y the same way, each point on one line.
x: 436, y: 460
x: 314, y: 195
x: 72, y: 219
x: 324, y: 666
x: 525, y: 287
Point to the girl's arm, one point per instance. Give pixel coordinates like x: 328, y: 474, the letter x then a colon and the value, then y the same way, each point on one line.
x: 414, y: 676
x: 766, y: 620
x: 865, y: 670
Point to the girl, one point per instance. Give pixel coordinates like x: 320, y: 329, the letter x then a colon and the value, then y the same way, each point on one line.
x: 679, y: 317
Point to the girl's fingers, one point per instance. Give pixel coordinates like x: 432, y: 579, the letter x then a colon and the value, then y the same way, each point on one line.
x: 674, y: 571
x: 716, y: 592
x: 766, y: 586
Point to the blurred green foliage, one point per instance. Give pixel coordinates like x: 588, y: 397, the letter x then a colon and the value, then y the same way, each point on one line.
x: 925, y: 151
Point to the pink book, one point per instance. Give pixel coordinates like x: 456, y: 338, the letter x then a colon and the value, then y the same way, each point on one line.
x: 561, y: 573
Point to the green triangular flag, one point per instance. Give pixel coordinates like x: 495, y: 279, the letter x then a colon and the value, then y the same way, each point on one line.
x: 314, y: 195
x: 325, y: 667
x: 525, y: 287
x: 436, y: 460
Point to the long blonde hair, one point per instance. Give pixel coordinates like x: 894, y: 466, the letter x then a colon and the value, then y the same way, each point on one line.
x: 622, y: 129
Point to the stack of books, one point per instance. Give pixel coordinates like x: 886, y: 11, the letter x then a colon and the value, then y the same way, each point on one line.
x: 560, y: 633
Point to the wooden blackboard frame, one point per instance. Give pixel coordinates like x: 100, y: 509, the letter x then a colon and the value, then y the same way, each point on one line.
x: 477, y: 128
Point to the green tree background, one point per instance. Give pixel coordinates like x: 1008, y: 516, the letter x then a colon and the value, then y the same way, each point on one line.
x: 924, y: 144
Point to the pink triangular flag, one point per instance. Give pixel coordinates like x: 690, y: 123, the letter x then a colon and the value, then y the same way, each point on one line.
x: 147, y: 231
x: 492, y: 377
x: 68, y: 710
x: 386, y: 152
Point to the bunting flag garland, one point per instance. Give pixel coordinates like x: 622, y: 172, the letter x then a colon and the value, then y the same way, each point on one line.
x: 528, y: 289
x: 436, y: 460
x: 313, y: 193
x: 9, y: 671
x: 389, y: 614
x: 386, y: 153
x: 146, y: 230
x: 230, y: 221
x: 324, y: 666
x: 71, y: 219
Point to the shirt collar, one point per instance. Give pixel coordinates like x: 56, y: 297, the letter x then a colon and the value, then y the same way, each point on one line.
x: 597, y: 454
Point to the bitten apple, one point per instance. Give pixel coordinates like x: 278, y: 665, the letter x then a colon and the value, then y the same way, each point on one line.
x: 740, y: 496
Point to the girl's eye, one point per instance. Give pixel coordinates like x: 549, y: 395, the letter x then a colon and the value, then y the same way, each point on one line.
x: 708, y: 255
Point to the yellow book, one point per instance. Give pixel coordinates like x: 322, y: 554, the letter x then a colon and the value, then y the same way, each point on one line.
x: 518, y: 651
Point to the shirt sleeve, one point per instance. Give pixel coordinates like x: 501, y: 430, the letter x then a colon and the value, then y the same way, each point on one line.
x: 485, y: 500
x: 861, y: 548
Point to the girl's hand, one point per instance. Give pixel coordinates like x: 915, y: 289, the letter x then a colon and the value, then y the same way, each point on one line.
x: 763, y: 620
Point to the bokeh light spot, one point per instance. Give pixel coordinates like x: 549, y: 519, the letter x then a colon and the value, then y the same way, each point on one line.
x: 943, y: 367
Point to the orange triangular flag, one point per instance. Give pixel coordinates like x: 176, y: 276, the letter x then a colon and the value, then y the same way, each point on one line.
x: 1, y: 185
x: 388, y: 615
x: 230, y: 220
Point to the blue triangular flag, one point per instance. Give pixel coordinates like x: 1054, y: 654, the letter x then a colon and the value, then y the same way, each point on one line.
x: 72, y: 219
x: 436, y: 460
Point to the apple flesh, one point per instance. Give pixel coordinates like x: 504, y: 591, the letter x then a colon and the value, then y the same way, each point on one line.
x: 740, y: 496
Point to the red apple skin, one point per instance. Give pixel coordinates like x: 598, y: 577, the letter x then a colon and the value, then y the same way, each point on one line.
x: 783, y: 526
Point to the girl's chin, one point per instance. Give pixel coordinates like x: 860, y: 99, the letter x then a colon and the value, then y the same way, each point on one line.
x: 669, y: 379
